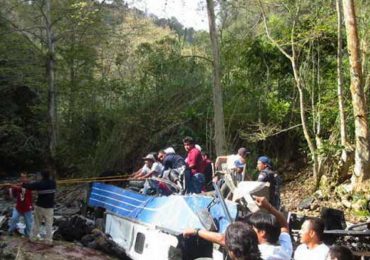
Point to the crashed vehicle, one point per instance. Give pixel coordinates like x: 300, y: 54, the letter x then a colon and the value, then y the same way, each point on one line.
x: 150, y: 227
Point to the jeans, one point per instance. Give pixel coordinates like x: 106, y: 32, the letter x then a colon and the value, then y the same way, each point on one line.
x: 150, y: 187
x: 15, y: 219
x: 40, y: 214
x: 154, y: 187
x: 194, y: 183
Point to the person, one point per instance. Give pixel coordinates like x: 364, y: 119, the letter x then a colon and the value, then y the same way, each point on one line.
x: 44, y: 208
x: 311, y: 246
x: 271, y: 228
x: 23, y: 206
x: 235, y: 166
x: 208, y: 171
x: 154, y: 169
x: 339, y: 253
x: 194, y: 181
x: 171, y: 160
x: 151, y: 168
x: 241, y: 242
x: 272, y: 231
x: 174, y: 167
x: 234, y: 162
x: 266, y: 174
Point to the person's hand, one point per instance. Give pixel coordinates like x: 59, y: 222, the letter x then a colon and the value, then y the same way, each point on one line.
x: 262, y: 202
x: 189, y: 232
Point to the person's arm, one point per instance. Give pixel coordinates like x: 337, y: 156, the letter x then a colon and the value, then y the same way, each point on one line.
x: 33, y: 185
x: 14, y: 190
x: 220, y: 160
x: 262, y: 176
x: 262, y: 202
x: 140, y: 175
x: 210, y: 236
x: 136, y: 173
x: 149, y: 174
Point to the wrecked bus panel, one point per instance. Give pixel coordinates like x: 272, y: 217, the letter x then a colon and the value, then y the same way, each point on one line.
x: 149, y: 227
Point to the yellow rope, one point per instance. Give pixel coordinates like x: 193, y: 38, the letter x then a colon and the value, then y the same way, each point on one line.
x: 117, y: 178
x: 95, y: 178
x: 92, y: 180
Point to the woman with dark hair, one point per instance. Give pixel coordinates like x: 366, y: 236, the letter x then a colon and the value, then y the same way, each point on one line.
x: 241, y: 242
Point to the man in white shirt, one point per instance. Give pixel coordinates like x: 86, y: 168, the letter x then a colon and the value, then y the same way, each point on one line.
x: 312, y: 246
x: 271, y: 229
x: 272, y: 232
x: 233, y: 161
x: 151, y: 168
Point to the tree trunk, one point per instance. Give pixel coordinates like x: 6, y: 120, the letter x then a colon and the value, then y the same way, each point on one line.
x: 344, y: 162
x: 361, y: 170
x: 50, y: 69
x: 342, y: 118
x: 311, y: 145
x: 220, y: 143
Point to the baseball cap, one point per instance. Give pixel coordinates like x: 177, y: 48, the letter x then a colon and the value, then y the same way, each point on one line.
x: 169, y: 150
x: 243, y: 151
x: 149, y: 157
x: 265, y: 160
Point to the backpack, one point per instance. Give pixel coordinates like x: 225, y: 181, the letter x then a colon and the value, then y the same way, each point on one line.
x: 268, y: 175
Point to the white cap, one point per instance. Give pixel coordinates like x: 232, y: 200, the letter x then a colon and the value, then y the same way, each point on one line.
x: 198, y: 147
x: 169, y: 150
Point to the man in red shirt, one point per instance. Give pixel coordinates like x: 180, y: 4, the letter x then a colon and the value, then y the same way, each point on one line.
x: 23, y: 206
x: 194, y: 181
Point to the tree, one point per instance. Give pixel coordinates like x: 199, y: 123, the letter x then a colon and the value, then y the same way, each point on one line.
x: 345, y: 161
x: 40, y: 22
x: 220, y: 143
x: 299, y: 83
x: 361, y: 170
x: 50, y: 70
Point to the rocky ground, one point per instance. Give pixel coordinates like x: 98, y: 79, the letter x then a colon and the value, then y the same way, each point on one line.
x: 298, y: 196
x: 76, y: 237
x: 16, y: 247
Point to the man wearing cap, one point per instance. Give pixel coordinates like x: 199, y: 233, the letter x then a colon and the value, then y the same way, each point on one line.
x: 266, y: 174
x: 171, y: 160
x: 234, y: 162
x: 235, y: 165
x: 151, y: 167
x: 174, y: 167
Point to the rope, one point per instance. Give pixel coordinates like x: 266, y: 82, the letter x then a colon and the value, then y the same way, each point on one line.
x: 94, y: 179
x: 117, y: 178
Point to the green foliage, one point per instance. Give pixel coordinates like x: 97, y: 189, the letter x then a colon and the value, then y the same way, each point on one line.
x: 128, y: 84
x: 21, y: 123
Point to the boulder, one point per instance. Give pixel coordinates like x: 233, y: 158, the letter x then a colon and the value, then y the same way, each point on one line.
x: 346, y: 204
x: 73, y: 229
x: 306, y: 203
x: 360, y: 204
x: 100, y: 241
